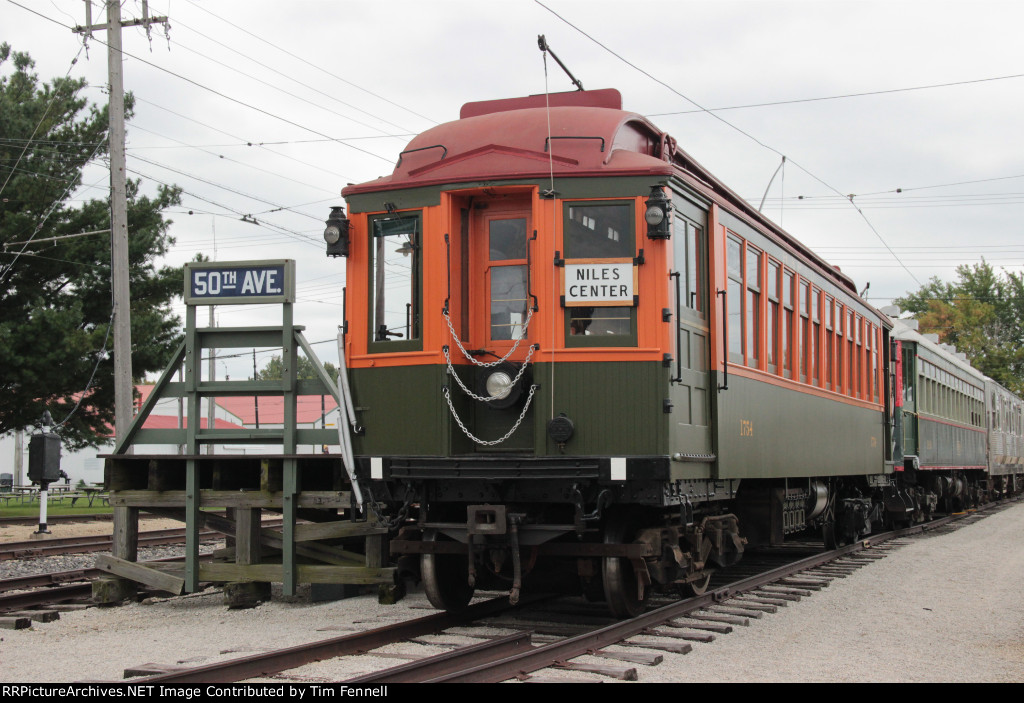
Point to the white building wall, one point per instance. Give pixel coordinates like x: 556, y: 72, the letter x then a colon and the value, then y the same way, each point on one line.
x: 86, y: 464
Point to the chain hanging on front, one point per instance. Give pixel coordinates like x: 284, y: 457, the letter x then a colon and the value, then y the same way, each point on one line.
x: 488, y: 399
x: 484, y: 442
x: 488, y: 364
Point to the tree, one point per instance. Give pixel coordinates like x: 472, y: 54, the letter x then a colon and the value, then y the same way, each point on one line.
x: 274, y: 369
x: 55, y: 297
x: 981, y: 314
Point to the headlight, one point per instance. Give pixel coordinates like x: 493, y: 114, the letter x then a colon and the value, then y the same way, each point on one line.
x: 654, y: 215
x: 499, y: 385
x: 332, y: 234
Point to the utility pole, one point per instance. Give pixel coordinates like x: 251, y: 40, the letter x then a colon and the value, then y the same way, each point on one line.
x: 123, y: 399
x: 125, y: 543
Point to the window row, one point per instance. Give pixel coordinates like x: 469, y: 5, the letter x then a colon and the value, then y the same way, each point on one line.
x: 947, y: 403
x: 948, y: 396
x: 1007, y: 415
x: 945, y: 378
x: 782, y: 323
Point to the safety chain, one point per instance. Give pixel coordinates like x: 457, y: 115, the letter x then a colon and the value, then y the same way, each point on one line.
x: 488, y: 399
x: 488, y: 364
x: 400, y: 517
x: 484, y: 442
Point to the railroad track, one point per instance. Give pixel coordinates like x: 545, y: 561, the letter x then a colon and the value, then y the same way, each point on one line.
x: 545, y: 644
x: 91, y: 543
x: 21, y: 593
x: 55, y: 519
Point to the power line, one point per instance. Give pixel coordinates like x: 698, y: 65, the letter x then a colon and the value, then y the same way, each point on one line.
x: 249, y: 143
x: 839, y: 97
x: 734, y: 127
x: 208, y: 89
x: 278, y: 88
x: 294, y: 235
x: 42, y: 119
x: 285, y: 75
x: 274, y: 143
x: 276, y: 174
x: 310, y: 63
x: 222, y: 187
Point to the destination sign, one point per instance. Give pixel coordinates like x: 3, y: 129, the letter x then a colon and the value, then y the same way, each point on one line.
x: 599, y: 283
x: 238, y: 282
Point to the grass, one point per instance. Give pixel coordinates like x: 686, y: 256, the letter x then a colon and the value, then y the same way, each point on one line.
x: 16, y: 508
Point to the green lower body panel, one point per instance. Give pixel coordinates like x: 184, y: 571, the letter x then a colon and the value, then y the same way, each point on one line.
x: 767, y: 431
x: 616, y: 409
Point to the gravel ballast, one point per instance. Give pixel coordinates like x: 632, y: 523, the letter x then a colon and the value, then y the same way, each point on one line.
x: 945, y: 607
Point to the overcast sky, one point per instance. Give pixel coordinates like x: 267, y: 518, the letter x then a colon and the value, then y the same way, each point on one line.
x: 267, y: 109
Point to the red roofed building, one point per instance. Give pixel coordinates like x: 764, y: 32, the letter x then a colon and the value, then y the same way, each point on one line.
x: 310, y: 409
x: 237, y: 413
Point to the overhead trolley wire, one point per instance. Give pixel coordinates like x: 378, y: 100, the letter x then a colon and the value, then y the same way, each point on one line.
x: 269, y: 225
x: 223, y: 187
x: 738, y: 129
x: 286, y: 92
x: 310, y: 63
x: 839, y: 97
x: 284, y: 75
x: 276, y: 174
x: 214, y: 91
x: 247, y: 142
x: 39, y: 124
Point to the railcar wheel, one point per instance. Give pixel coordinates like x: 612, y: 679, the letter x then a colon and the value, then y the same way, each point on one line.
x: 828, y: 535
x: 445, y: 577
x: 700, y: 586
x: 621, y: 591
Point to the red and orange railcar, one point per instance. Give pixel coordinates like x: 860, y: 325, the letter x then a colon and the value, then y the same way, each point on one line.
x: 580, y: 360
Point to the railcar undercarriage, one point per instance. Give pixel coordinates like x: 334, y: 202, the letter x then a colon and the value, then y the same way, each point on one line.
x: 618, y: 553
x: 582, y: 538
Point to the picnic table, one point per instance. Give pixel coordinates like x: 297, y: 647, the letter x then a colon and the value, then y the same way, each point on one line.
x: 91, y: 494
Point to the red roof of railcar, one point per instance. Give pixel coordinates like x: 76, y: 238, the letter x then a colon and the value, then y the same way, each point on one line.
x: 512, y: 139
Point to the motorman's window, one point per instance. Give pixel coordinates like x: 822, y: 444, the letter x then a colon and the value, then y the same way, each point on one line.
x: 394, y: 271
x: 599, y: 230
x: 599, y: 243
x: 508, y: 277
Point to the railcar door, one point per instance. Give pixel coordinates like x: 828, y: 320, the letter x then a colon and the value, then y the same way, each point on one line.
x: 692, y: 396
x: 500, y: 319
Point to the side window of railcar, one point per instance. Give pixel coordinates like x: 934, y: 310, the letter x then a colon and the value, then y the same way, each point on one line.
x: 772, y: 323
x: 805, y: 324
x: 909, y: 376
x: 787, y: 322
x: 395, y: 291
x: 851, y: 365
x: 734, y: 303
x: 599, y: 232
x: 830, y: 341
x: 815, y: 335
x: 753, y: 309
x: 690, y: 255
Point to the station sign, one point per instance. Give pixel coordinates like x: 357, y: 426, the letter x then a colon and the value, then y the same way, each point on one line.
x: 599, y: 282
x: 240, y: 282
